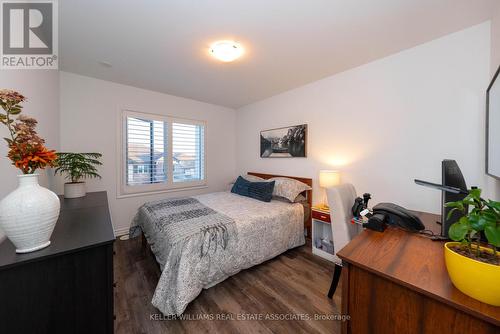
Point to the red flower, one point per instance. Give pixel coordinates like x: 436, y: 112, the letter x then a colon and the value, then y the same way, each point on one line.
x: 29, y: 158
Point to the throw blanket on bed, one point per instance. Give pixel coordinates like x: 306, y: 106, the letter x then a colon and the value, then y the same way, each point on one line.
x: 179, y: 220
x: 182, y: 229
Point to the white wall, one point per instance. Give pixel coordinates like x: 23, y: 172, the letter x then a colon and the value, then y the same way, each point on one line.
x: 387, y: 122
x: 89, y: 116
x: 41, y: 87
x: 495, y: 40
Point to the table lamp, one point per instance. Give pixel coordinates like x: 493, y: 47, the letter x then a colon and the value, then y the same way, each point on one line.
x: 328, y: 178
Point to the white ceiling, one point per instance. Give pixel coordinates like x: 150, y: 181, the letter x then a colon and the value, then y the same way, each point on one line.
x: 162, y: 45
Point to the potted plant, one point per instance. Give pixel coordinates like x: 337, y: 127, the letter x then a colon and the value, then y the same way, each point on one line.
x: 77, y: 166
x: 29, y: 213
x: 474, y: 266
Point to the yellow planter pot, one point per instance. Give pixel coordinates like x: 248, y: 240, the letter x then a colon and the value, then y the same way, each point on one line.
x: 476, y: 279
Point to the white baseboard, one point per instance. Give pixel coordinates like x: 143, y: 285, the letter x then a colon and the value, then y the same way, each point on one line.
x: 121, y: 231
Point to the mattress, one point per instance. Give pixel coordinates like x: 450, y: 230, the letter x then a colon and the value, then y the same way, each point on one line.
x: 261, y: 231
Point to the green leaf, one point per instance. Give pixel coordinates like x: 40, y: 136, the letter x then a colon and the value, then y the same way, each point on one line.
x: 475, y: 193
x: 491, y: 216
x: 15, y: 111
x: 458, y: 205
x: 451, y: 213
x: 493, y: 235
x: 477, y: 222
x: 493, y: 204
x: 464, y: 220
x: 458, y: 231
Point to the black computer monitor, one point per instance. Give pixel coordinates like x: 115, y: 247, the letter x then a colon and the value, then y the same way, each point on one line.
x: 451, y: 177
x: 453, y: 189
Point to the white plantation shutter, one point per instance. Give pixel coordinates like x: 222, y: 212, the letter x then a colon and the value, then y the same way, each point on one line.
x: 146, y: 151
x: 188, y: 152
x: 161, y: 153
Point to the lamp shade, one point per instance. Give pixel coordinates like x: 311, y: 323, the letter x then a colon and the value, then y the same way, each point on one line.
x: 329, y: 178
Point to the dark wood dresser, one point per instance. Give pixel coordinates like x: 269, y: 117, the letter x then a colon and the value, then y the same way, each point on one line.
x: 68, y: 286
x: 396, y: 282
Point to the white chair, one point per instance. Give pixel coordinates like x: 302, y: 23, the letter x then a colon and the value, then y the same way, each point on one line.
x: 341, y: 199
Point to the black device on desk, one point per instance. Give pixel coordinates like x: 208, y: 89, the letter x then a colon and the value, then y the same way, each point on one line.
x: 453, y: 189
x: 395, y: 215
x: 360, y: 204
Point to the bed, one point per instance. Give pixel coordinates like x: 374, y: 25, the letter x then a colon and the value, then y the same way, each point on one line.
x: 201, y: 240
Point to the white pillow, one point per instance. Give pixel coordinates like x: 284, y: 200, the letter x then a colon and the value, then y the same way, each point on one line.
x: 288, y: 188
x: 299, y: 199
x: 251, y: 178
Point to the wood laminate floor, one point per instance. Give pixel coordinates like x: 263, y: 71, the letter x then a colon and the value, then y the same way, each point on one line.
x: 291, y: 286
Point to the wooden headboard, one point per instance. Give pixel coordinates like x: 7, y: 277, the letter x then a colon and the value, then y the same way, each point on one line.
x: 307, y: 193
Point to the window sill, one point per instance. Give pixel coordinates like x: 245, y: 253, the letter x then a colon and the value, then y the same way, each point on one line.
x: 156, y: 192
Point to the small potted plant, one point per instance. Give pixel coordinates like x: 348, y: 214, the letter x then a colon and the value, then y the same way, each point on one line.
x: 77, y: 166
x: 473, y: 265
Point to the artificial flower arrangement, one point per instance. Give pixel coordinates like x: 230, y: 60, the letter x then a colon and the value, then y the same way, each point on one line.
x: 29, y: 213
x: 26, y: 149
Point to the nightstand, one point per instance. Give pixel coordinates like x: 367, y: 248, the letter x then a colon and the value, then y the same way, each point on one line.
x: 322, y: 240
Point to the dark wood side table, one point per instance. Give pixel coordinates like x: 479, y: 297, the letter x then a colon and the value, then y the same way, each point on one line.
x: 68, y: 286
x: 396, y: 282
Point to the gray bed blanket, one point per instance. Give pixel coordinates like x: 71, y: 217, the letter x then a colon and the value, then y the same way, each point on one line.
x: 202, y: 240
x: 168, y: 224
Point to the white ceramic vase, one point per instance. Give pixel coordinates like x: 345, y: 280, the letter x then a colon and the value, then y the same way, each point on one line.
x: 28, y: 214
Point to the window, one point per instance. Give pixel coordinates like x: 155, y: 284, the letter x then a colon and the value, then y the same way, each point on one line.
x: 188, y: 152
x: 145, y: 151
x: 161, y: 153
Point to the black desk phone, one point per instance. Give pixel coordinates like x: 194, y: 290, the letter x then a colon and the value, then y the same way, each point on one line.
x: 393, y: 214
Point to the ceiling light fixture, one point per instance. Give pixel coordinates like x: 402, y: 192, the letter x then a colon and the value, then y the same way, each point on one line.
x: 226, y: 51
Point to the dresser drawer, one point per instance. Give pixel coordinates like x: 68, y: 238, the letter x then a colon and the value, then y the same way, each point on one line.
x: 321, y: 216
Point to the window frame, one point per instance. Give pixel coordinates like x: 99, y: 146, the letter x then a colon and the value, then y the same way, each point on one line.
x: 125, y: 190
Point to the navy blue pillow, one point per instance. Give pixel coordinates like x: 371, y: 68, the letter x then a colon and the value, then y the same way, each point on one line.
x: 262, y: 191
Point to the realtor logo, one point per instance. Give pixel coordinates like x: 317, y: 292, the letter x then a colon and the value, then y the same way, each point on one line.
x: 28, y: 35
